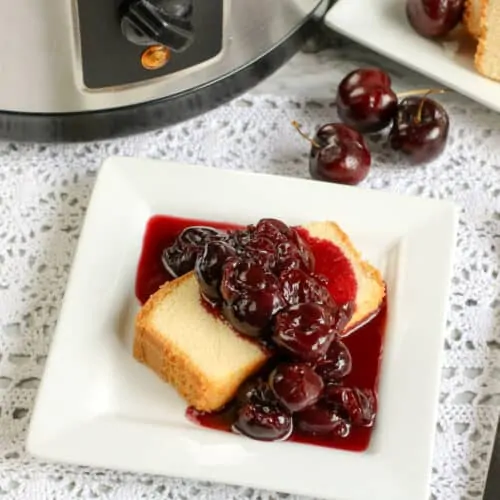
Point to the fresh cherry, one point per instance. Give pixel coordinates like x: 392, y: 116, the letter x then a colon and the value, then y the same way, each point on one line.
x: 360, y: 404
x: 434, y: 18
x: 305, y: 330
x: 365, y: 100
x: 420, y: 129
x: 336, y: 364
x: 296, y: 385
x: 339, y: 154
x: 208, y: 268
x: 300, y: 287
x: 180, y: 257
x: 324, y: 418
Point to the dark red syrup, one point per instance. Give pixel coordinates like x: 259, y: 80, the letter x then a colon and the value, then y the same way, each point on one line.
x: 330, y: 262
x: 365, y: 344
x: 161, y: 232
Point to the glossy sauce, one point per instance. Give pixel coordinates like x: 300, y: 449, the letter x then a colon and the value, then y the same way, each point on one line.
x: 161, y: 232
x: 330, y: 262
x: 365, y: 344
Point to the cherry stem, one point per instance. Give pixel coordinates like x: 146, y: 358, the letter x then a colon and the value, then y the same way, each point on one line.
x: 427, y: 92
x: 418, y: 118
x: 296, y: 125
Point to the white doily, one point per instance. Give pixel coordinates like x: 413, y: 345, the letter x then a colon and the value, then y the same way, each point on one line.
x: 43, y: 196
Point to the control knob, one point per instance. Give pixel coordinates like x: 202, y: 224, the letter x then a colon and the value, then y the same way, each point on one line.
x: 164, y: 22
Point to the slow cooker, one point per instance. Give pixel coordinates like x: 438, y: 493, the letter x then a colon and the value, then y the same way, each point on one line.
x: 78, y: 70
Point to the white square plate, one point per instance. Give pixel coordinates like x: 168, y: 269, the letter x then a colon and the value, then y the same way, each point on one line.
x: 97, y: 406
x: 382, y: 26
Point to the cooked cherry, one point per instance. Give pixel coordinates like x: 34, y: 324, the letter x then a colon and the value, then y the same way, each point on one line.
x: 360, y: 404
x: 180, y: 258
x: 239, y: 238
x: 299, y: 287
x: 294, y: 253
x: 420, y: 129
x: 296, y: 385
x: 274, y: 229
x: 260, y: 249
x: 323, y: 418
x: 345, y: 312
x: 288, y: 256
x: 434, y: 18
x: 265, y: 421
x: 304, y: 250
x: 260, y: 243
x: 209, y: 267
x: 252, y: 313
x: 252, y: 296
x: 336, y: 364
x: 365, y: 100
x: 179, y: 261
x: 241, y: 275
x: 255, y: 391
x: 305, y: 330
x: 260, y: 414
x: 339, y: 154
x: 199, y: 235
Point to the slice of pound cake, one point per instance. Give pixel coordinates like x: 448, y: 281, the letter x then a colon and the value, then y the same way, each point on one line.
x: 487, y: 59
x: 265, y: 295
x: 370, y: 285
x: 472, y: 17
x: 195, y: 351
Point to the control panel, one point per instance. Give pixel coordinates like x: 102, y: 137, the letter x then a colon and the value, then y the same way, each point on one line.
x: 129, y: 41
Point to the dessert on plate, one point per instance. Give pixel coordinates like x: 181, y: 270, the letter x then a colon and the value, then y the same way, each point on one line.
x: 472, y: 17
x: 487, y: 57
x: 480, y: 18
x: 263, y: 330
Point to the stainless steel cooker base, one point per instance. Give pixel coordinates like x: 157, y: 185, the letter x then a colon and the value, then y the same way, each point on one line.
x: 154, y: 114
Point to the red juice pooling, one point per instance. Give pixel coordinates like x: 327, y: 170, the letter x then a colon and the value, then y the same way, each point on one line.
x: 365, y: 344
x: 331, y: 263
x: 161, y: 232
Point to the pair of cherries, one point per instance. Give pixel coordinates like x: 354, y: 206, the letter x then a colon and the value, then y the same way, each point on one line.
x: 366, y: 104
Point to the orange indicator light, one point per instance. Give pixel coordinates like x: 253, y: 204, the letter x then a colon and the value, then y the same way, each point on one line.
x: 155, y: 57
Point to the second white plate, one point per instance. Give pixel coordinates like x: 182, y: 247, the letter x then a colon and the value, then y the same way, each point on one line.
x: 382, y: 26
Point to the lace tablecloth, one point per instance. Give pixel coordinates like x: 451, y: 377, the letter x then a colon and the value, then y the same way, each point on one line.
x: 43, y: 196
